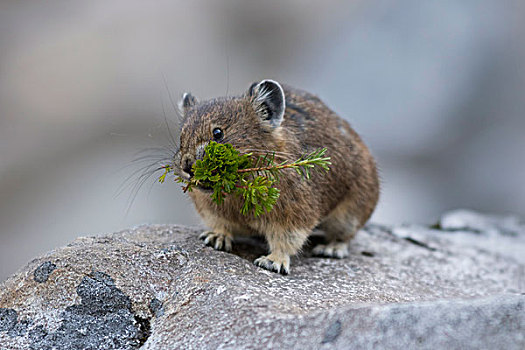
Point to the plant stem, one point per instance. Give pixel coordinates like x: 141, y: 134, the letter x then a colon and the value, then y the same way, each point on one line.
x: 281, y: 166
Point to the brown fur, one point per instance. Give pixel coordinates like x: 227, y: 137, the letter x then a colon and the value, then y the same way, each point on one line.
x: 339, y: 201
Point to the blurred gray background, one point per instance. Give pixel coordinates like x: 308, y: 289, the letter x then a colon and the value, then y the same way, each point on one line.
x: 436, y: 88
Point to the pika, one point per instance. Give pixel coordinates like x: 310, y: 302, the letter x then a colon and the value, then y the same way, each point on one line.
x: 270, y: 117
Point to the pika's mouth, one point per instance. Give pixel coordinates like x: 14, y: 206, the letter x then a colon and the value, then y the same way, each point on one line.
x: 204, y: 189
x: 185, y: 176
x: 189, y: 178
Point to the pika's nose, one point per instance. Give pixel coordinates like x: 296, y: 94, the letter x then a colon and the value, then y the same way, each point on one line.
x: 187, y: 164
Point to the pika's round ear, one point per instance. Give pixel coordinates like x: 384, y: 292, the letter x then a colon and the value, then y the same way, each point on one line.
x: 268, y: 101
x: 187, y: 101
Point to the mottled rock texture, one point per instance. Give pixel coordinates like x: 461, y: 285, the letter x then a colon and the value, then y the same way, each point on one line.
x: 457, y: 285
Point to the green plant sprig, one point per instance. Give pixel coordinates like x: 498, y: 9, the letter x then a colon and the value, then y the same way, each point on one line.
x: 225, y: 170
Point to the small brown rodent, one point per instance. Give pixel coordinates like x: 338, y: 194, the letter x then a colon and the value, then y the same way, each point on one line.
x: 270, y: 117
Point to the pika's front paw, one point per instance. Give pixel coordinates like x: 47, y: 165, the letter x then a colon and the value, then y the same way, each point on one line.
x: 219, y: 241
x: 332, y: 250
x: 274, y: 262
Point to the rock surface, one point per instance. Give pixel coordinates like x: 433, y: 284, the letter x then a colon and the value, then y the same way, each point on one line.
x: 460, y: 284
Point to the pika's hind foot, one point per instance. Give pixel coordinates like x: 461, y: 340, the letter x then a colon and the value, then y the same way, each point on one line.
x: 279, y: 263
x: 219, y: 241
x: 337, y: 250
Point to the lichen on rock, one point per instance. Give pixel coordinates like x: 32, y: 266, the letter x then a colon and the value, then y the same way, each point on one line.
x: 42, y: 272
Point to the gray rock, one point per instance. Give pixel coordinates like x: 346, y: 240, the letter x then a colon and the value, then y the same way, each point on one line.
x: 158, y: 287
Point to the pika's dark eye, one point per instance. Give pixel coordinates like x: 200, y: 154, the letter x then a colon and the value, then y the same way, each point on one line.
x: 217, y: 134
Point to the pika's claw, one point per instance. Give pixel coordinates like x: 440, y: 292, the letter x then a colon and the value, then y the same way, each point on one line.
x: 219, y: 241
x: 275, y: 263
x: 337, y: 250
